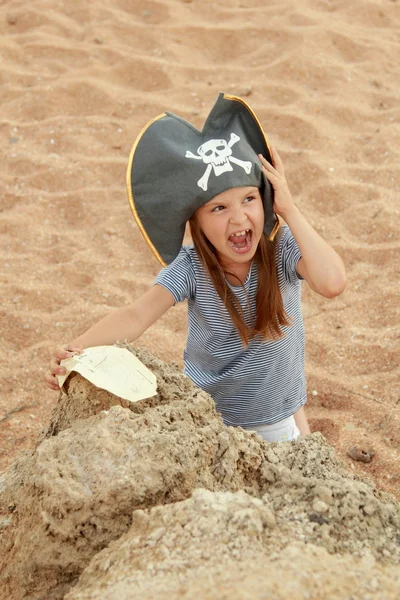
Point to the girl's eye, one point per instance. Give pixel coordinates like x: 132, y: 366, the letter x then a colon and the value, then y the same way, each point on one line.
x: 217, y: 208
x: 249, y: 199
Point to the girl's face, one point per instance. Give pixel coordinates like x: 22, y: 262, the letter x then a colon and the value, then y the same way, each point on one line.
x: 233, y: 222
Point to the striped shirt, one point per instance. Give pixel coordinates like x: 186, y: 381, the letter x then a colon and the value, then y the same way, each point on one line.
x: 263, y: 383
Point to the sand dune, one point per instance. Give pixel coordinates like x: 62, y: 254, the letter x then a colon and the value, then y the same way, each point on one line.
x: 78, y: 82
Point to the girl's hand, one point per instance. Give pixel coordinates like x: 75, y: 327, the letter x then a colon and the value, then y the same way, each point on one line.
x: 283, y: 201
x: 58, y: 354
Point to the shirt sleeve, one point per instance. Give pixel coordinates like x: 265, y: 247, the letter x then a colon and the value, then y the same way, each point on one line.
x: 289, y: 255
x: 178, y: 277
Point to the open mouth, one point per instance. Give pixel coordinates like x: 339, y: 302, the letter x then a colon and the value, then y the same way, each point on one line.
x: 241, y: 240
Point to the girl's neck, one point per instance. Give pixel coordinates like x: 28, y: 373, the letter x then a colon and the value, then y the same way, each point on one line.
x: 236, y: 273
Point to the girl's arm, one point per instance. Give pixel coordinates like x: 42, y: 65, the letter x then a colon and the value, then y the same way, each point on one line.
x: 320, y: 265
x: 128, y: 322
x: 301, y: 421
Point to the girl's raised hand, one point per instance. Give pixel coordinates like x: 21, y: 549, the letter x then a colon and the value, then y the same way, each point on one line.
x: 58, y: 354
x: 283, y: 201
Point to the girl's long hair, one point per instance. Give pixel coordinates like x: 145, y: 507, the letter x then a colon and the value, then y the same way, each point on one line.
x: 270, y: 314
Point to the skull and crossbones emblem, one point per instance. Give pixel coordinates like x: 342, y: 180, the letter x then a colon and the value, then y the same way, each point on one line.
x: 217, y: 155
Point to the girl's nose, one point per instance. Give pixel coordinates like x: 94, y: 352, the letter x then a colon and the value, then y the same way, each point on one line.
x: 238, y: 215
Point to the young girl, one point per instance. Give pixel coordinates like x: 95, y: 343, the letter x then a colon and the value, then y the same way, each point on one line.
x: 242, y: 277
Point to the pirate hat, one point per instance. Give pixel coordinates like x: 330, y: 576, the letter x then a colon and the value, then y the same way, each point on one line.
x: 174, y: 169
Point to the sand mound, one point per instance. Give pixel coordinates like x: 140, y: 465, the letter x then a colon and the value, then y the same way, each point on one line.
x: 223, y: 545
x: 129, y: 476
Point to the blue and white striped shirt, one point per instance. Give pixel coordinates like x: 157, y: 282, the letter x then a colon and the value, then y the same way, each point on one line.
x: 263, y: 383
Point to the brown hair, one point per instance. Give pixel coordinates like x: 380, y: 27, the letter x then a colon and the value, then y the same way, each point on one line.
x: 270, y: 313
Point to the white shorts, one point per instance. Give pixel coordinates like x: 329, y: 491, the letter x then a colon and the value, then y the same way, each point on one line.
x: 283, y: 431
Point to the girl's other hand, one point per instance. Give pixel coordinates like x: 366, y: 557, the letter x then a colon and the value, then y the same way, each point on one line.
x: 283, y: 201
x: 57, y: 355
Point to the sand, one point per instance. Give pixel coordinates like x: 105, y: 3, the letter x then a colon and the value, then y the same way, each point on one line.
x: 78, y: 82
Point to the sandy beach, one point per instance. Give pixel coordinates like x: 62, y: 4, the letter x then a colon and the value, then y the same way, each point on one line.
x: 78, y: 83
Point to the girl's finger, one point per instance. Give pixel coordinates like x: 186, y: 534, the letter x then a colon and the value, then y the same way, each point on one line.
x: 273, y: 178
x: 73, y: 349
x: 267, y: 165
x: 277, y: 161
x: 54, y: 364
x: 51, y: 381
x: 60, y: 353
x: 66, y: 351
x: 263, y: 159
x: 269, y: 169
x: 56, y: 368
x: 54, y: 387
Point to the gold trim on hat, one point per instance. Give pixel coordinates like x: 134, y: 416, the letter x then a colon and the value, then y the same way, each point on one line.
x: 274, y: 231
x: 130, y: 193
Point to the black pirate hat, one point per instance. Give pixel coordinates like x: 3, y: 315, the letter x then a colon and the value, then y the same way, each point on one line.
x: 174, y: 169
